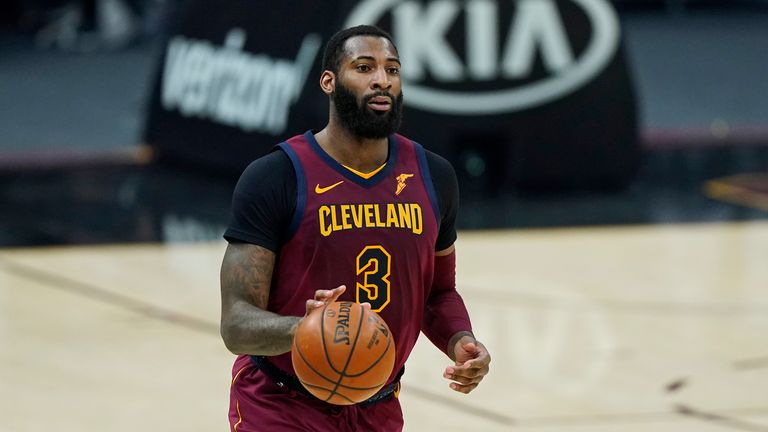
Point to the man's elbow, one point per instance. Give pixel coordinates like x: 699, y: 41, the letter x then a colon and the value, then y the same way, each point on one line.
x: 229, y: 335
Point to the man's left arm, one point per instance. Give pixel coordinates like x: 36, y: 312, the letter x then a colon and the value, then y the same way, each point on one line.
x: 446, y: 321
x: 447, y: 325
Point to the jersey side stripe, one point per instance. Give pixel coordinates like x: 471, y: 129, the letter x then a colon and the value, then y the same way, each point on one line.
x: 426, y: 177
x: 301, y: 189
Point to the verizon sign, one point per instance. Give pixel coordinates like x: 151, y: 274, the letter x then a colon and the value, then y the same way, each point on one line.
x: 233, y: 87
x: 495, y: 56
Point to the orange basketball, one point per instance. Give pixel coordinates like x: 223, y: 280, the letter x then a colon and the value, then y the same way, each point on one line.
x: 342, y: 353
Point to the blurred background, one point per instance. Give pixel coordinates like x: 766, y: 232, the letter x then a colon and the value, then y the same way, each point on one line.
x: 630, y: 134
x: 128, y: 122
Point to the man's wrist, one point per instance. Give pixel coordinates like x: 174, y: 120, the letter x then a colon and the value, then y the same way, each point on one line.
x: 454, y: 340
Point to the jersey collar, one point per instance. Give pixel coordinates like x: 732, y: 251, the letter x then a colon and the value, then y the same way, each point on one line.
x: 373, y: 180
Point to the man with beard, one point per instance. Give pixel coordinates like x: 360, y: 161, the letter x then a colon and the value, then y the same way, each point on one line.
x: 328, y: 209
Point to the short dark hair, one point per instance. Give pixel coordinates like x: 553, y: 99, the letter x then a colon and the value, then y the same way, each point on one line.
x: 334, y: 49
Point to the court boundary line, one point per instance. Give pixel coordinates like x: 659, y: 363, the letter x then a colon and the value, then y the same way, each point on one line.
x: 718, y: 418
x: 678, y: 412
x: 93, y: 292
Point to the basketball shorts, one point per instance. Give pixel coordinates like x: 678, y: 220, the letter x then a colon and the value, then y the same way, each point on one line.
x: 258, y: 404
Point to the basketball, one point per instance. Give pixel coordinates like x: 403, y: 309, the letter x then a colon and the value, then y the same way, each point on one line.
x: 342, y: 353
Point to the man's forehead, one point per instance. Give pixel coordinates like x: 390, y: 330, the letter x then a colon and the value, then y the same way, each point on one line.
x: 371, y: 46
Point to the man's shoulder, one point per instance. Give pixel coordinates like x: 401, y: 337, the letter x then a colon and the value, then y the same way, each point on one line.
x: 276, y: 162
x: 434, y: 159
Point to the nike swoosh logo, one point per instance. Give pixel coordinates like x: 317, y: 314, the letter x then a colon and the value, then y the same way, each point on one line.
x: 321, y: 190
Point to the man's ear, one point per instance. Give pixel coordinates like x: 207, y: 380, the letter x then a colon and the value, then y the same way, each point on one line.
x: 328, y: 82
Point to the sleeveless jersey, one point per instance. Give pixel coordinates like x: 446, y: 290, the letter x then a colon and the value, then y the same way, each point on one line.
x: 376, y: 236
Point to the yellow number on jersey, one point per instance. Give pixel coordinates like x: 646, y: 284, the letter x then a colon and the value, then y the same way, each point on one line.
x: 373, y: 264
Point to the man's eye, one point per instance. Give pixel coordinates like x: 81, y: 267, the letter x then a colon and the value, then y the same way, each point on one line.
x: 363, y: 68
x: 394, y: 71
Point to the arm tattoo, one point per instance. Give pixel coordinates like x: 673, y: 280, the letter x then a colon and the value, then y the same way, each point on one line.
x: 251, y: 273
x: 247, y: 327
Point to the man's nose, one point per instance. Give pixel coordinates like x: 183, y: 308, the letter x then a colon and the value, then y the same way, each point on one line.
x: 381, y: 80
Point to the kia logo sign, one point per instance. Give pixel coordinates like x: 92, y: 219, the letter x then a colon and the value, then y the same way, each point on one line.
x: 536, y: 31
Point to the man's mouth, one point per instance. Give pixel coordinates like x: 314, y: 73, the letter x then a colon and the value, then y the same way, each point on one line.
x: 380, y: 103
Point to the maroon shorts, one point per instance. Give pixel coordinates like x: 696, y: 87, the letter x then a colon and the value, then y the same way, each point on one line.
x: 258, y: 404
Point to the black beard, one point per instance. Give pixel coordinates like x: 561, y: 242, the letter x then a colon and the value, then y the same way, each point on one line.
x: 362, y: 121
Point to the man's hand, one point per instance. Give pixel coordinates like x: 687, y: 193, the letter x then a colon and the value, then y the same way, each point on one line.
x: 324, y: 297
x: 472, y: 360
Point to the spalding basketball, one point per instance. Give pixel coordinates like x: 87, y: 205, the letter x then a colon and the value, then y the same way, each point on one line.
x: 343, y: 353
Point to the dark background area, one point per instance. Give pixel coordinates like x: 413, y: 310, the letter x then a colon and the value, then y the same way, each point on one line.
x: 73, y: 169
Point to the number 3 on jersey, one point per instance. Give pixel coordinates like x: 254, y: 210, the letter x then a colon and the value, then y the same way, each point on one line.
x: 373, y: 269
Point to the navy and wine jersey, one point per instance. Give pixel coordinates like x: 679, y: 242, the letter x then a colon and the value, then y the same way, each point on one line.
x: 376, y: 235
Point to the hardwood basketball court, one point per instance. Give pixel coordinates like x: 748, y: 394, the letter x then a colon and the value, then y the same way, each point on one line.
x: 640, y: 328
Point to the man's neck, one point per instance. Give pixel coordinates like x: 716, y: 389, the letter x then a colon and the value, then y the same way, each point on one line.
x: 361, y: 154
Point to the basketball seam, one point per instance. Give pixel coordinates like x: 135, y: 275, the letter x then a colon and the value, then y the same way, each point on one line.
x: 351, y: 351
x: 344, y: 386
x: 347, y: 387
x: 328, y: 390
x: 381, y: 356
x: 322, y: 338
x: 306, y: 362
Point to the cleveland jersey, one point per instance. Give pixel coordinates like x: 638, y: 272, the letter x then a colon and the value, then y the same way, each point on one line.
x: 375, y: 235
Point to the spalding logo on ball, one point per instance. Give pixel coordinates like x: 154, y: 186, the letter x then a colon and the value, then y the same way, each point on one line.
x: 342, y: 353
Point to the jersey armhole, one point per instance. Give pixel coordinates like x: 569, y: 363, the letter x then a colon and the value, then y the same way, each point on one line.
x: 427, y: 179
x: 301, y: 189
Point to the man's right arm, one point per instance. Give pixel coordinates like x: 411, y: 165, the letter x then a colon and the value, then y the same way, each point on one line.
x: 264, y: 198
x: 247, y: 327
x: 262, y: 206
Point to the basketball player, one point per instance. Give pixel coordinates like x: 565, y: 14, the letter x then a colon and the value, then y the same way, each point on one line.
x: 356, y: 207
